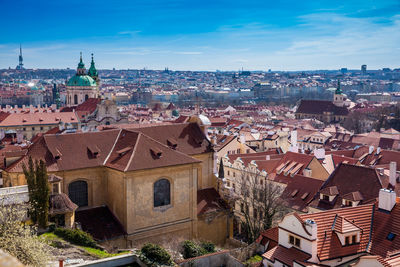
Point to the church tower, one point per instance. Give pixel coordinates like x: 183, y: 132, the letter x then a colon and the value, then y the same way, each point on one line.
x: 339, y: 97
x: 20, y: 59
x: 93, y: 72
x: 81, y: 87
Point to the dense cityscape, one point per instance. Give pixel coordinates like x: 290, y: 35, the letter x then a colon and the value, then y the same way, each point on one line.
x: 154, y: 167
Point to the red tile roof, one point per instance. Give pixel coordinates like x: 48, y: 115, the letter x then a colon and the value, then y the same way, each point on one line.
x: 328, y: 243
x: 208, y: 200
x: 93, y: 149
x: 286, y: 255
x: 349, y: 179
x: 319, y: 107
x: 22, y: 119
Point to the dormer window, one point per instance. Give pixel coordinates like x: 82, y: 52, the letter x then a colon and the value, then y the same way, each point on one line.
x: 347, y: 203
x: 295, y: 241
x: 350, y: 240
x: 390, y: 236
x: 172, y: 143
x: 156, y: 152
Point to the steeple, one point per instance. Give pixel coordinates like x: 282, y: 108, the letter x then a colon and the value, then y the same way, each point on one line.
x: 92, y: 70
x: 81, y: 67
x: 338, y: 89
x: 338, y: 97
x: 20, y: 59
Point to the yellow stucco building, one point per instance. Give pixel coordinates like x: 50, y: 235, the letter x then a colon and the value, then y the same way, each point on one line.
x: 155, y: 182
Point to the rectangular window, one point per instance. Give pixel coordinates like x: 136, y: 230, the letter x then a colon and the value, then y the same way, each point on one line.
x: 24, y: 129
x: 347, y: 240
x: 294, y: 240
x: 33, y: 128
x: 326, y: 198
x: 353, y: 239
x: 41, y: 128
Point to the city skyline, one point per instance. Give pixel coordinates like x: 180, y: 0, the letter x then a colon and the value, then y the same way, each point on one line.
x: 255, y: 35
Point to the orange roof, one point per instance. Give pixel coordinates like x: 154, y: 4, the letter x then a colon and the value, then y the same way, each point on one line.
x: 328, y: 243
x: 22, y: 119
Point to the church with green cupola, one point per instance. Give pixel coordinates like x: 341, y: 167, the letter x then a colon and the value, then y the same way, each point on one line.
x: 82, y: 85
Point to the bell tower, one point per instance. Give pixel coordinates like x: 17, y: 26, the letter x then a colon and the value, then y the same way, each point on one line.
x: 338, y: 97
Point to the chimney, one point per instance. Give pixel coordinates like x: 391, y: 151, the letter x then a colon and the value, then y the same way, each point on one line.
x: 392, y: 173
x: 242, y: 139
x: 387, y: 199
x: 293, y: 138
x: 371, y: 149
x: 319, y: 153
x: 311, y: 226
x: 307, y: 172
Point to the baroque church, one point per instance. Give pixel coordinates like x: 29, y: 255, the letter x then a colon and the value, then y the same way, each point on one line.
x: 335, y: 111
x: 83, y: 96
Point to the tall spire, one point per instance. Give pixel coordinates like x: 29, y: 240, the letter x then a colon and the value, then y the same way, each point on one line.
x: 20, y: 59
x: 338, y: 89
x: 92, y: 70
x: 81, y: 67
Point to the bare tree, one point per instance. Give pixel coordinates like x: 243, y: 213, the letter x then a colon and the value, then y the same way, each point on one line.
x: 260, y: 202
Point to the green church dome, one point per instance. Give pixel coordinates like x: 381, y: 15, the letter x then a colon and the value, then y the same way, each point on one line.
x: 81, y: 80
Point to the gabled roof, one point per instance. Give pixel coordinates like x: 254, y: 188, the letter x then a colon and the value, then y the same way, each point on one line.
x: 190, y: 138
x: 300, y: 191
x: 348, y: 179
x: 136, y: 151
x: 328, y: 243
x: 110, y: 148
x: 343, y: 225
x: 318, y: 107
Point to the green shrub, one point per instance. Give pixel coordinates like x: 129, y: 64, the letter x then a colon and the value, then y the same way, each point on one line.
x: 208, y: 246
x: 156, y: 254
x: 76, y: 236
x: 191, y: 250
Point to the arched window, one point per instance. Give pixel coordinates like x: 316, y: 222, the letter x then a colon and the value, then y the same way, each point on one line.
x: 78, y: 193
x: 76, y: 99
x: 86, y: 97
x: 162, y: 193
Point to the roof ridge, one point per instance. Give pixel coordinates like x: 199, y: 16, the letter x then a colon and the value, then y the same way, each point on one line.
x: 154, y: 140
x: 112, y: 148
x: 134, y: 150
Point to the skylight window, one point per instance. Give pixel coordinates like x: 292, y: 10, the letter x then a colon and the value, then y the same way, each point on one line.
x: 390, y: 236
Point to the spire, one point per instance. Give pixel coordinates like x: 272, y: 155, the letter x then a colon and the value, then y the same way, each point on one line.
x: 92, y: 70
x: 20, y: 59
x: 338, y: 89
x: 81, y: 67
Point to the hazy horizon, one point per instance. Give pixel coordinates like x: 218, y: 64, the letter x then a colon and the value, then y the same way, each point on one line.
x: 202, y: 35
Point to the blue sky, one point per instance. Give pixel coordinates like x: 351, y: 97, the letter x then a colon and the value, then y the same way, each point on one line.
x: 202, y: 35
